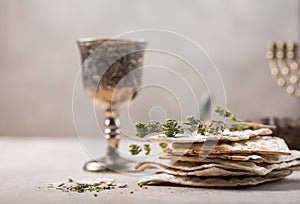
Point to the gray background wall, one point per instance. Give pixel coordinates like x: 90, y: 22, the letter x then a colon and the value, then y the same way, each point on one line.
x: 39, y: 59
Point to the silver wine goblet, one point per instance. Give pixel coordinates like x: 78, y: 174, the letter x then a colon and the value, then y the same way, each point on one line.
x: 111, y: 78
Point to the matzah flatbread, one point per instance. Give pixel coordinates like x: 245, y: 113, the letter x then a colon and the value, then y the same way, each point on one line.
x: 259, y: 145
x: 259, y: 169
x: 230, y: 136
x: 213, y: 182
x: 208, y: 172
x: 272, y: 159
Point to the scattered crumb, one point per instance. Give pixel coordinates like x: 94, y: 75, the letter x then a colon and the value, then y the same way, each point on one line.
x: 122, y: 185
x: 94, y: 185
x: 61, y: 184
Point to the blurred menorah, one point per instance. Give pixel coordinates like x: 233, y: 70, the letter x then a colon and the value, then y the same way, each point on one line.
x: 285, y: 69
x: 284, y: 66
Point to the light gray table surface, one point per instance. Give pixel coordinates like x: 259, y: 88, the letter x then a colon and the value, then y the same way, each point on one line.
x: 28, y: 163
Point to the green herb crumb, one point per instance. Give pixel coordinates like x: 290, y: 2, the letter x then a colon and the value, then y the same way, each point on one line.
x: 134, y: 149
x: 163, y: 145
x: 147, y: 149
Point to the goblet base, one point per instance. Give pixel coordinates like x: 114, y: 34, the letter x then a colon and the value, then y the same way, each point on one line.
x: 104, y: 164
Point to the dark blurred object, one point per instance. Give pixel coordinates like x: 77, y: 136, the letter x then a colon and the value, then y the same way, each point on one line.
x: 287, y: 128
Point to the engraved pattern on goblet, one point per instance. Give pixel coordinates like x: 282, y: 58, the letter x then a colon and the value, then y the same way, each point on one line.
x: 108, y: 80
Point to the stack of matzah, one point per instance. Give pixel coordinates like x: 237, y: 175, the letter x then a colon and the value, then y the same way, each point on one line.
x: 238, y: 158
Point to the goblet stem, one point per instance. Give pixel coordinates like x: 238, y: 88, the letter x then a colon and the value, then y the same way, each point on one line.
x: 112, y: 136
x: 112, y: 161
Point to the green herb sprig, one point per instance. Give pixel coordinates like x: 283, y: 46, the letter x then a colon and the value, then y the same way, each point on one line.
x: 171, y: 128
x: 143, y: 129
x: 225, y: 113
x: 215, y: 127
x: 192, y: 125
